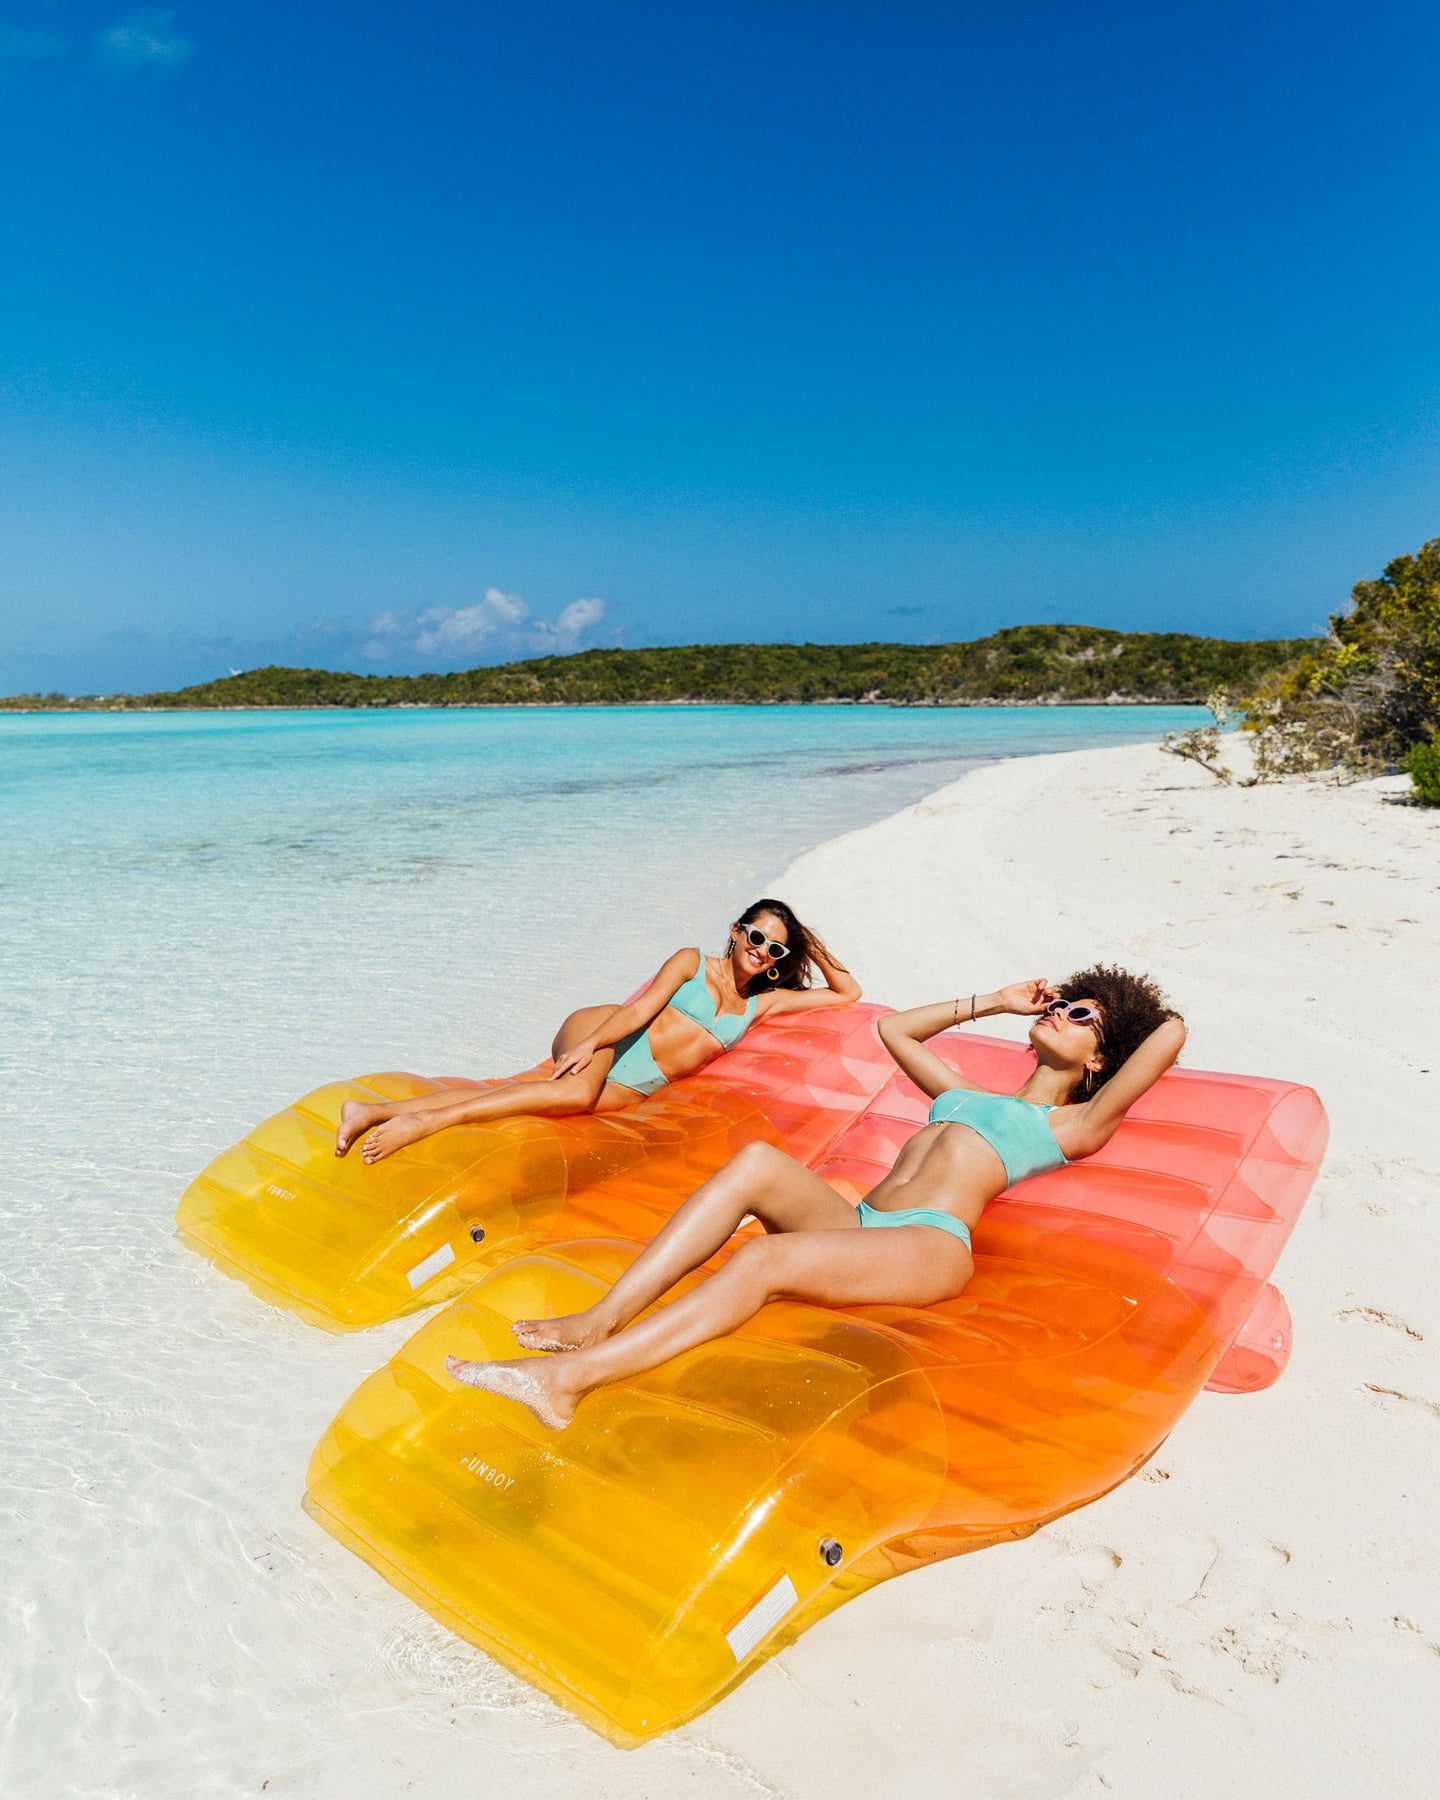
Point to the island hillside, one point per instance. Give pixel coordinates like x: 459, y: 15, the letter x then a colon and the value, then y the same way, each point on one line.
x: 1023, y: 664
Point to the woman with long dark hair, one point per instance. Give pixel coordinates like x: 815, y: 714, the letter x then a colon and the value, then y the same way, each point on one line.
x: 1101, y: 1039
x: 606, y: 1057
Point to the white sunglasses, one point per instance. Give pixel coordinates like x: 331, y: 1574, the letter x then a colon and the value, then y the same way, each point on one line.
x: 759, y: 941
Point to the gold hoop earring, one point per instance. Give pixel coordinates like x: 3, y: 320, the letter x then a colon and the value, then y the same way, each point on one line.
x: 774, y: 974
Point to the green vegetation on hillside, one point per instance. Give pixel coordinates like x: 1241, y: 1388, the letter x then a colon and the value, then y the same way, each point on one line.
x: 1024, y: 663
x: 1369, y: 693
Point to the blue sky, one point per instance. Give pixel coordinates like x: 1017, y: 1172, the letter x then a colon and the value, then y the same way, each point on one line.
x: 383, y: 338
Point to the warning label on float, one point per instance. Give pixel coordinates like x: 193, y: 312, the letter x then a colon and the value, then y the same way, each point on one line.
x: 761, y: 1617
x: 432, y: 1265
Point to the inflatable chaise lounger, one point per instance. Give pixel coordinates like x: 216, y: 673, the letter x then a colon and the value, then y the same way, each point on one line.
x: 345, y: 1244
x: 692, y: 1521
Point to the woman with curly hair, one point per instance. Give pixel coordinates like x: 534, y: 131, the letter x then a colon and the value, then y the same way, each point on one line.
x: 1101, y: 1039
x: 606, y: 1057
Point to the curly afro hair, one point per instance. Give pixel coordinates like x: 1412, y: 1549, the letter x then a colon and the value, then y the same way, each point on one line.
x: 1131, y: 1007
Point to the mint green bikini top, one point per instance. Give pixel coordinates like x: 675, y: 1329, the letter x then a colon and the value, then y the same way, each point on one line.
x: 693, y: 999
x: 1017, y: 1130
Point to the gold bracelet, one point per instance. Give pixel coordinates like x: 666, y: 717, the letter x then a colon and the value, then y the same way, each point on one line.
x: 972, y: 1009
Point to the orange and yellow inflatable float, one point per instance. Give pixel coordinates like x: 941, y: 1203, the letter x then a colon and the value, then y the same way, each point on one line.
x: 693, y: 1520
x: 347, y: 1245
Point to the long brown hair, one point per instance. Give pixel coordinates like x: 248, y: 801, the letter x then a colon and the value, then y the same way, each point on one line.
x: 797, y: 970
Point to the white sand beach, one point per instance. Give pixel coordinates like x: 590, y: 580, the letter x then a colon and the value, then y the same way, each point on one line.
x: 1259, y: 1612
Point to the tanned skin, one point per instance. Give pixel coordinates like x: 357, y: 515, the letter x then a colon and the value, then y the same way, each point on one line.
x: 812, y: 1250
x: 584, y: 1047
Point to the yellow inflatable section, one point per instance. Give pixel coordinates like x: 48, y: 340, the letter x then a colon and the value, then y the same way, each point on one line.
x: 344, y: 1244
x: 693, y: 1520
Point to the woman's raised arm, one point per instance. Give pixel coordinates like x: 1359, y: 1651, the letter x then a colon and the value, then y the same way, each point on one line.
x: 840, y: 989
x: 904, y: 1034
x: 1136, y: 1075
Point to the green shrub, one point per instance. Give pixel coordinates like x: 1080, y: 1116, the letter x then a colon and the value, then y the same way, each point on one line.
x: 1423, y: 763
x: 1371, y: 691
x: 1310, y: 743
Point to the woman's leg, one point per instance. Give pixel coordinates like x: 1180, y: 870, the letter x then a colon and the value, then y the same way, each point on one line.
x: 468, y: 1106
x: 759, y: 1179
x: 356, y: 1117
x: 901, y: 1265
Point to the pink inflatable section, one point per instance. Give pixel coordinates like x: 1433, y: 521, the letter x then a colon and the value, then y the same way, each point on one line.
x: 1203, y: 1182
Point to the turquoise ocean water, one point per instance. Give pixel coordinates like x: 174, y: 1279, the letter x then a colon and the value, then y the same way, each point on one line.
x: 200, y: 916
x: 503, y: 862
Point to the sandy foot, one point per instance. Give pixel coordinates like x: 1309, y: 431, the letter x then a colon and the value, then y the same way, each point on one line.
x: 573, y: 1331
x: 522, y: 1381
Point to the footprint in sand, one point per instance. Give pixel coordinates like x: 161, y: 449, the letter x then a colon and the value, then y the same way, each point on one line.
x: 1374, y: 1315
x: 1388, y: 1398
x: 1095, y: 1565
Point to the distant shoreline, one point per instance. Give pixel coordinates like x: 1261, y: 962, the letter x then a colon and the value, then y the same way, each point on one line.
x: 1023, y: 665
x: 7, y: 709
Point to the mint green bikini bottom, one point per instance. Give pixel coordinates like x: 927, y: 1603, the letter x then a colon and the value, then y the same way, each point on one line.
x: 635, y: 1065
x: 917, y: 1215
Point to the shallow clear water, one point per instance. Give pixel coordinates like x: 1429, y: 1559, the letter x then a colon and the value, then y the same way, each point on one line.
x: 202, y: 915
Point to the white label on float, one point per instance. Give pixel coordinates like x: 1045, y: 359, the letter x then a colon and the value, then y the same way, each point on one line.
x: 752, y: 1627
x: 432, y: 1265
x: 488, y: 1472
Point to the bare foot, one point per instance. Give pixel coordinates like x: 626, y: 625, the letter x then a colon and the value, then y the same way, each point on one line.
x: 355, y: 1119
x: 572, y: 1332
x: 530, y: 1382
x: 391, y: 1135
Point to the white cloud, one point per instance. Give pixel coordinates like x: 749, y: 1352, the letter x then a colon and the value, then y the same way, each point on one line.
x: 578, y: 617
x: 18, y: 45
x: 499, y: 625
x: 143, y: 40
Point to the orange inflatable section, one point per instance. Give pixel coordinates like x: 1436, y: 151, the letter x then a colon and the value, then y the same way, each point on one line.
x: 693, y: 1520
x: 344, y: 1244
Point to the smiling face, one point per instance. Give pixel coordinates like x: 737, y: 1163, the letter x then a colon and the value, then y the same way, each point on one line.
x: 1066, y: 1044
x: 749, y: 961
